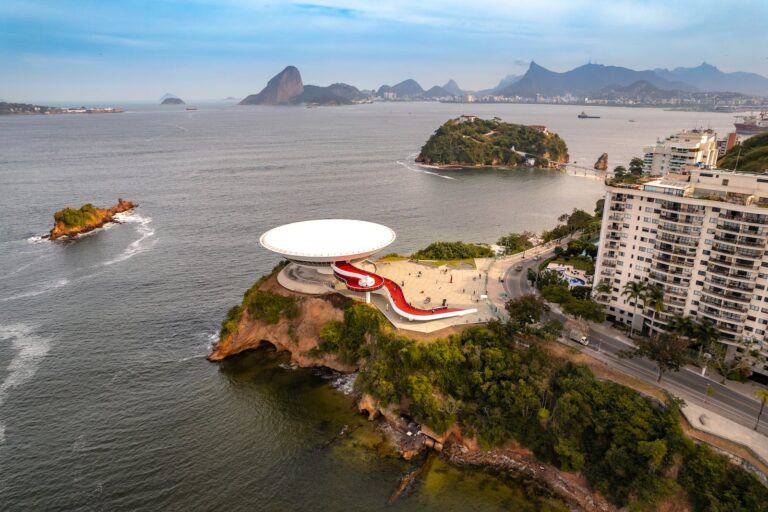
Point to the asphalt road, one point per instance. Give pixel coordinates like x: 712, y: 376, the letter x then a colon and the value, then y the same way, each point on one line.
x: 725, y: 401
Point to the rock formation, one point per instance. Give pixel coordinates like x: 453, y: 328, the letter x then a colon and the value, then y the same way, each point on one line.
x: 172, y: 101
x: 71, y: 222
x: 283, y: 87
x: 602, y: 163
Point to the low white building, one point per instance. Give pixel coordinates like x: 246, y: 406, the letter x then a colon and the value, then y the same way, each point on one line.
x: 689, y: 148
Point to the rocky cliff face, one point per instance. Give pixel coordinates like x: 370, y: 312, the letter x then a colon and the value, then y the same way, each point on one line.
x: 602, y: 163
x: 297, y: 336
x: 279, y: 90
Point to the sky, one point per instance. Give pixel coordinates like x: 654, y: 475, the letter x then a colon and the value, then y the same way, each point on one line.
x: 137, y: 50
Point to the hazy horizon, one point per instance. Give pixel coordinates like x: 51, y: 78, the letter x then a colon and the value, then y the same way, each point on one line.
x: 136, y: 51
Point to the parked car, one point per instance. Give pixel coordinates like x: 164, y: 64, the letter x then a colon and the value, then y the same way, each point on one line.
x: 518, y: 268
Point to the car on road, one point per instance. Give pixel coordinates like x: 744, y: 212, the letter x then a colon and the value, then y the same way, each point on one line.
x: 536, y: 258
x: 578, y: 337
x: 518, y: 268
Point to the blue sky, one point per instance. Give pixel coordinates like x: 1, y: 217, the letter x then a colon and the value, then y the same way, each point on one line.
x: 101, y: 50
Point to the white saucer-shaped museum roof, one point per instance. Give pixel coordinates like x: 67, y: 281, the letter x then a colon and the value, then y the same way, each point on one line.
x: 327, y: 240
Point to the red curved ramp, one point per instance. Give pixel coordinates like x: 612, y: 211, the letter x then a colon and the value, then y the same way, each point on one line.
x: 358, y: 279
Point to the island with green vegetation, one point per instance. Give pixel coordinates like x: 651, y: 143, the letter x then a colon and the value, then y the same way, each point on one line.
x: 749, y: 156
x: 71, y: 222
x: 469, y: 141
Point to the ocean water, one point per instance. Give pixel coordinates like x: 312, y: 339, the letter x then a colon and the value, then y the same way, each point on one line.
x: 106, y: 400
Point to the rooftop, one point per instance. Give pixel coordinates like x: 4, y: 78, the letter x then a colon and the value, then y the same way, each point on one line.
x: 327, y: 240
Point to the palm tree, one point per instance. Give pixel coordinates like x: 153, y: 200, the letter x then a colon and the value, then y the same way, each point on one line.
x: 706, y: 333
x: 654, y: 298
x: 682, y: 325
x: 634, y: 290
x: 762, y: 394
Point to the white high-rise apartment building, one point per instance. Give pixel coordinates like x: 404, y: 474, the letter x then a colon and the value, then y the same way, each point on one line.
x: 702, y: 236
x: 694, y: 148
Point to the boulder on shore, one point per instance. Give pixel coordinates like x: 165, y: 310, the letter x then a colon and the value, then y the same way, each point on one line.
x: 602, y: 163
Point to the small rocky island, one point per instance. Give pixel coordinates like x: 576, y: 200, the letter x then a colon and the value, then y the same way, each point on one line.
x: 172, y: 101
x: 71, y: 222
x: 469, y: 141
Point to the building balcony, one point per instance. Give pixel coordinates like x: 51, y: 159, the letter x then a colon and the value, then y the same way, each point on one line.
x: 716, y: 291
x: 677, y: 240
x: 664, y: 279
x: 677, y: 251
x: 732, y: 250
x: 731, y: 285
x: 731, y: 307
x: 680, y: 229
x: 674, y: 260
x: 679, y: 208
x: 730, y: 273
x: 739, y: 241
x: 731, y: 262
x: 743, y: 229
x: 718, y: 320
x: 682, y: 219
x: 759, y: 220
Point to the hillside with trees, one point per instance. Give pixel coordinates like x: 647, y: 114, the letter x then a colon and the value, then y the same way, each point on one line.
x: 470, y: 141
x: 749, y: 156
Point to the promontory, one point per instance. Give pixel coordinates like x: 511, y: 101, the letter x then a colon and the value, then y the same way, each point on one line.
x: 71, y: 222
x: 469, y: 141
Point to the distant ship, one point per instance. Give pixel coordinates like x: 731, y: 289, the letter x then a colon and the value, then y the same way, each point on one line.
x: 753, y: 123
x: 191, y: 108
x: 584, y: 115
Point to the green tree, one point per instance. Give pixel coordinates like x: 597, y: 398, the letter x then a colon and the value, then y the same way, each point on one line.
x: 634, y: 291
x: 636, y: 166
x: 526, y: 309
x: 653, y: 297
x: 668, y: 351
x: 516, y: 242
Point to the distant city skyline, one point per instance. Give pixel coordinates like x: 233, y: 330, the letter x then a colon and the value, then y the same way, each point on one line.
x: 78, y: 50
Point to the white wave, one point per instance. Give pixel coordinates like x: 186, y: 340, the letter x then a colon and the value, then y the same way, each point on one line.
x: 422, y: 171
x: 25, y: 266
x: 37, y: 239
x: 345, y: 383
x: 145, y: 230
x: 30, y: 349
x: 48, y: 287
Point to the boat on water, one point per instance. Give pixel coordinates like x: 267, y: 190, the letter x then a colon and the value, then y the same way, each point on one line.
x: 191, y: 108
x: 752, y: 123
x: 584, y: 115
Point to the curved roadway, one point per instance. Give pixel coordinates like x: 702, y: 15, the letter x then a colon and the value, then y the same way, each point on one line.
x: 605, y: 340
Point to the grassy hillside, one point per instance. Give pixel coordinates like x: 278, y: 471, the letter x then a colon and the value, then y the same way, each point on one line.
x: 474, y: 141
x: 752, y: 155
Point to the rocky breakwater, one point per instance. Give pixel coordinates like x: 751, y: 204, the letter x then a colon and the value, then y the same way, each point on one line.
x: 71, y: 222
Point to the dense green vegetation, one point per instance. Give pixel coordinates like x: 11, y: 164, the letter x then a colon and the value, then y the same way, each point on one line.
x: 77, y: 218
x: 265, y: 306
x: 452, y: 251
x: 490, y: 142
x: 572, y: 222
x: 750, y: 156
x: 500, y: 391
x: 574, y: 301
x: 516, y: 242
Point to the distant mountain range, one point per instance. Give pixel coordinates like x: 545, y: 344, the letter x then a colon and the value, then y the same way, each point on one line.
x: 589, y: 80
x: 706, y: 78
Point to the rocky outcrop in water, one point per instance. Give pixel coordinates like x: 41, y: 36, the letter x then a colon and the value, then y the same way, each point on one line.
x: 172, y: 101
x: 283, y: 87
x: 602, y: 163
x: 71, y: 222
